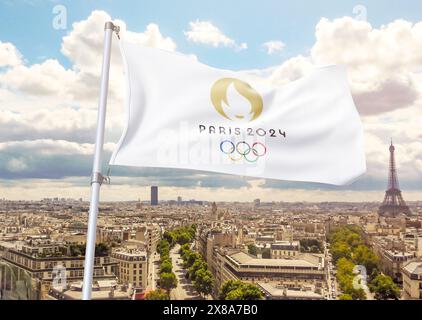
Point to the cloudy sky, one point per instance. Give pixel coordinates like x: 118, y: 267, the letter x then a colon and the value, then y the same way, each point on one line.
x: 50, y: 58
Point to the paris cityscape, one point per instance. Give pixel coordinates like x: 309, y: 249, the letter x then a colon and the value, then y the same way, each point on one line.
x: 261, y: 154
x: 195, y: 250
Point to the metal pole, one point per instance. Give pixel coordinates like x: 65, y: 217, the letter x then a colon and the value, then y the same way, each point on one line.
x: 97, y: 178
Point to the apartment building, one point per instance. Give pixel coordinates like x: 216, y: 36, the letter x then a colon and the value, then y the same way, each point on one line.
x: 234, y: 264
x: 412, y: 280
x: 132, y: 267
x: 150, y: 235
x: 40, y: 264
x: 284, y: 249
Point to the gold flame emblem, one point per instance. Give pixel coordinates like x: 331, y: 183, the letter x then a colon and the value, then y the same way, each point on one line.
x: 219, y: 95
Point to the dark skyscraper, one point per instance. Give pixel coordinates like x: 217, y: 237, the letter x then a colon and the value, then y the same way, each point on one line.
x: 154, y: 195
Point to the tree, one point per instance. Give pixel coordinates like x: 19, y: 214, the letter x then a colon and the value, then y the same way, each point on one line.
x: 75, y: 251
x: 166, y: 266
x: 168, y: 281
x: 362, y: 255
x: 252, y: 249
x: 228, y: 286
x: 197, y: 265
x: 192, y: 231
x: 101, y: 250
x: 340, y: 250
x: 183, y: 238
x: 186, y: 254
x: 345, y: 296
x: 384, y: 288
x: 157, y: 295
x: 266, y: 253
x: 184, y: 248
x: 354, y: 240
x: 238, y: 290
x: 163, y: 247
x: 251, y: 292
x: 204, y: 282
x: 375, y: 273
x: 169, y: 237
x: 311, y: 245
x: 345, y: 278
x: 191, y: 257
x: 236, y: 294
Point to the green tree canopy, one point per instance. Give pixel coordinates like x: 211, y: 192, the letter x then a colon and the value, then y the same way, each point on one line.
x: 266, y: 253
x: 157, y: 295
x: 191, y: 257
x: 345, y: 276
x: 251, y: 292
x: 183, y: 238
x: 168, y: 281
x: 184, y: 248
x: 384, y: 288
x: 204, y: 282
x: 341, y: 250
x: 197, y: 265
x: 311, y: 245
x: 238, y: 290
x: 169, y: 237
x: 163, y: 246
x: 228, y: 286
x: 362, y: 255
x: 166, y: 267
x: 252, y: 249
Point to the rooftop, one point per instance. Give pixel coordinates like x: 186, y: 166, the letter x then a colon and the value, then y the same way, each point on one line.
x: 277, y: 291
x: 414, y: 267
x: 245, y: 259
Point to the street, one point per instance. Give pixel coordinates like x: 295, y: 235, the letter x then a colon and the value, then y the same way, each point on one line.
x: 331, y: 280
x: 155, y: 269
x: 184, y: 289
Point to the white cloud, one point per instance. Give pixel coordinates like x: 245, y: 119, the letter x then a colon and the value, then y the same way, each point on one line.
x: 381, y: 62
x: 62, y: 123
x: 48, y: 112
x: 205, y: 32
x: 274, y: 46
x: 291, y: 70
x: 84, y: 44
x: 53, y: 147
x: 48, y: 78
x: 9, y: 55
x: 382, y: 65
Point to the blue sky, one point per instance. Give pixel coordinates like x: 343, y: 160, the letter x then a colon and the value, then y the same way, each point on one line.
x: 28, y: 24
x: 36, y: 122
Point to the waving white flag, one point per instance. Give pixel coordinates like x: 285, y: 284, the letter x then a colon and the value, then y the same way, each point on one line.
x: 184, y: 114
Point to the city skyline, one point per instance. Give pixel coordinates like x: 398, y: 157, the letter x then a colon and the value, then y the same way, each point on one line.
x: 171, y: 193
x: 281, y: 251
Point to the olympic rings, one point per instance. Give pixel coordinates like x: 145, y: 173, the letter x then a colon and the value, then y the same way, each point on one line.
x: 255, y: 152
x: 243, y: 153
x: 243, y: 150
x: 223, y: 150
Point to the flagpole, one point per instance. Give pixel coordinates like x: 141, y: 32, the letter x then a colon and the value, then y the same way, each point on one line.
x: 97, y: 179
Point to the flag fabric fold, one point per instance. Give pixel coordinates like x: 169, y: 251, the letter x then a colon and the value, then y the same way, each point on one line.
x: 187, y: 115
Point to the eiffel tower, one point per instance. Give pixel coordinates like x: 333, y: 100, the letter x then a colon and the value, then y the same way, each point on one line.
x: 393, y: 203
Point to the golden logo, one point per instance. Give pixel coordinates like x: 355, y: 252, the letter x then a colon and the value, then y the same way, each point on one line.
x: 219, y: 95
